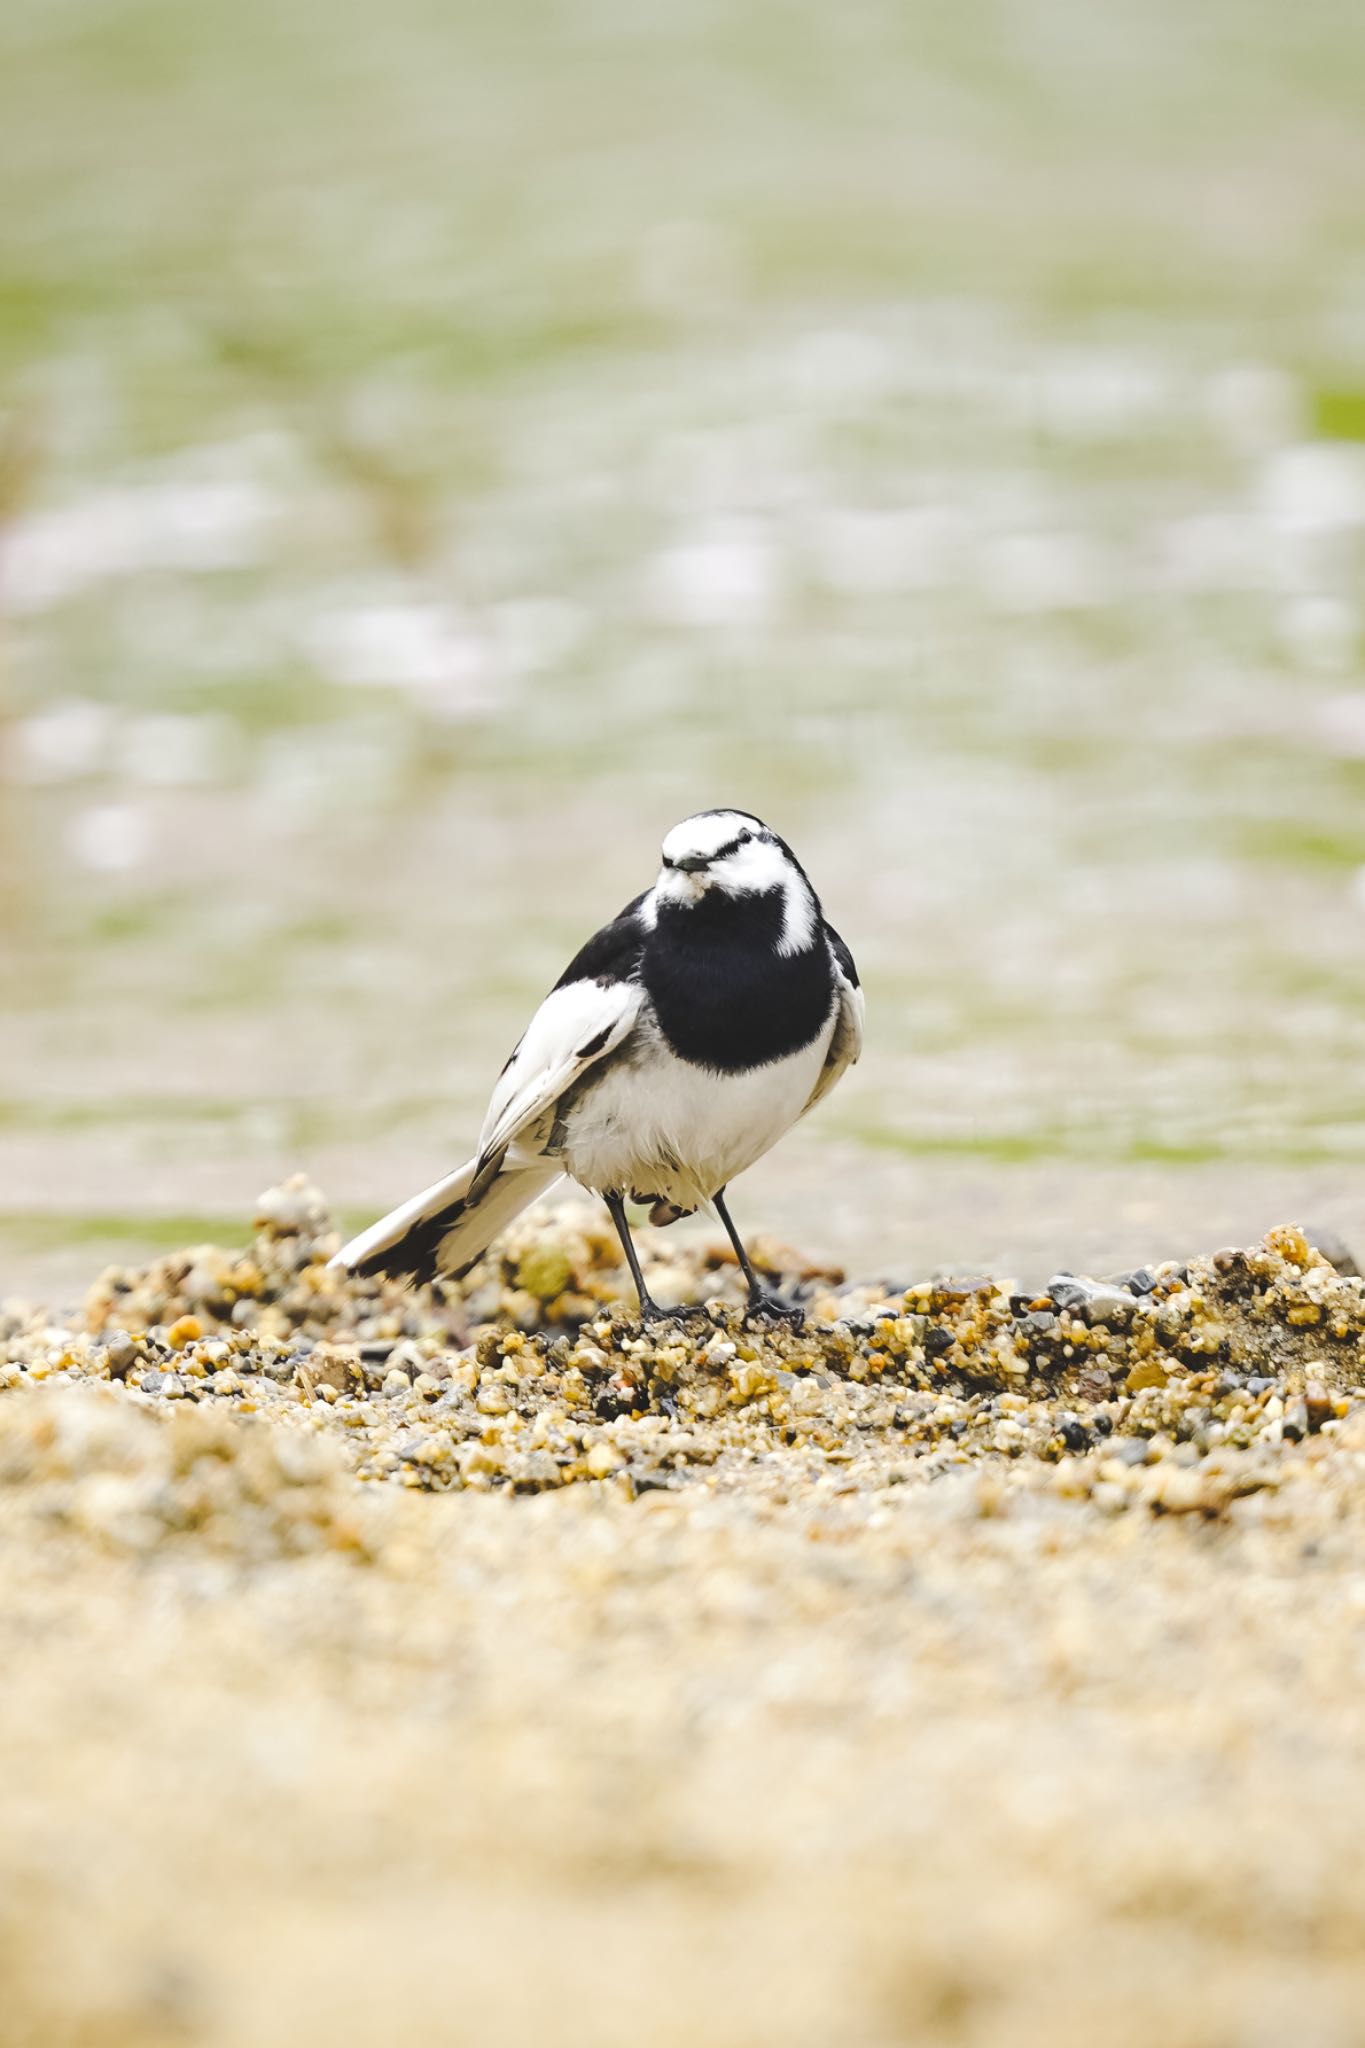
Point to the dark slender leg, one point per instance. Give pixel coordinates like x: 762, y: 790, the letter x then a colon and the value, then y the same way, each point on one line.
x: 650, y: 1312
x: 761, y: 1303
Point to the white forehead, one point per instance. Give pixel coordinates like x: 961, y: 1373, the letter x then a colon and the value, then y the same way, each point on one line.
x: 706, y: 834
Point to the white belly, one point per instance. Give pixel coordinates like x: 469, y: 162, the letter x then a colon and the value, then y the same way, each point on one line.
x: 654, y: 1125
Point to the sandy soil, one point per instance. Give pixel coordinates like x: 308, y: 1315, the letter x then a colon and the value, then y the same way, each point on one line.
x: 861, y: 1731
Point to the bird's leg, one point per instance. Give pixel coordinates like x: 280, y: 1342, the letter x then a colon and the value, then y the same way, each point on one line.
x: 650, y: 1311
x: 761, y: 1302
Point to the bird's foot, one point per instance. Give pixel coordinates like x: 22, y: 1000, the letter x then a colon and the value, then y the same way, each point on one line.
x: 652, y: 1313
x: 770, y: 1308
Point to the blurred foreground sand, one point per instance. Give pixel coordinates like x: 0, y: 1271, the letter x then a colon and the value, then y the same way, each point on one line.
x: 739, y: 1768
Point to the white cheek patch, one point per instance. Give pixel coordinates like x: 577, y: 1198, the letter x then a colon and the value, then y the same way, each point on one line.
x: 798, y: 921
x: 756, y: 866
x: 760, y: 866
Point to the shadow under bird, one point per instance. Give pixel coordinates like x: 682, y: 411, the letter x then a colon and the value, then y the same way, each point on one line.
x: 676, y: 1048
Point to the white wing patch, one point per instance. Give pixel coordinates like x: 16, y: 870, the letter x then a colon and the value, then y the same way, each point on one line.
x: 847, y: 1042
x: 574, y: 1026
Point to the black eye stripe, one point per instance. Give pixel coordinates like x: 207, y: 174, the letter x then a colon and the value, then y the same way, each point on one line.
x: 731, y: 846
x: 721, y: 852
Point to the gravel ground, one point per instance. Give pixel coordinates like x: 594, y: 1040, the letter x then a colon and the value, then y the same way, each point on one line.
x: 975, y: 1665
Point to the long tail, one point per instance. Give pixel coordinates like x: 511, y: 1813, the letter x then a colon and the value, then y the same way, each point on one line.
x: 448, y: 1227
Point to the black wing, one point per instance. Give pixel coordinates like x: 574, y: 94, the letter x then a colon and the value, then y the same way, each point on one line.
x: 842, y: 955
x: 847, y: 1041
x: 613, y: 954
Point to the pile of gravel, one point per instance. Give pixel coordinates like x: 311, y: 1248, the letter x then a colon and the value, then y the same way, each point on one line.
x: 1182, y: 1386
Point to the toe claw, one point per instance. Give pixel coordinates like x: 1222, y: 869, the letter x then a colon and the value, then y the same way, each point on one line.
x: 770, y: 1308
x: 655, y: 1313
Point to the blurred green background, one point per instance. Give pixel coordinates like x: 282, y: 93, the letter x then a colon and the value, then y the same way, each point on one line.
x: 442, y: 445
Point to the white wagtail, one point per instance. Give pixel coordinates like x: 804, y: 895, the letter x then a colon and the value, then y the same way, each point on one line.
x: 680, y: 1044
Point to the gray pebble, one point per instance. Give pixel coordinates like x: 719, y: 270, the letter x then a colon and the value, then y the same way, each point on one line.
x: 1110, y: 1308
x: 121, y: 1355
x: 1140, y: 1281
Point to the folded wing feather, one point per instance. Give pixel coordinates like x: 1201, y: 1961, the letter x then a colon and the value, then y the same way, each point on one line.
x: 574, y: 1027
x: 847, y: 1042
x: 450, y: 1225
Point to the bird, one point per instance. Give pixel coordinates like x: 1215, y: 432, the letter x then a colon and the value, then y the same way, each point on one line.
x: 677, y: 1047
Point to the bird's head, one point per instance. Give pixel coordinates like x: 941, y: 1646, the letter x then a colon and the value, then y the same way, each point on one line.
x: 735, y: 855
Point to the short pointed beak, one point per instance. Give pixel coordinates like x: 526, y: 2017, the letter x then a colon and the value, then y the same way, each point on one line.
x: 692, y: 864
